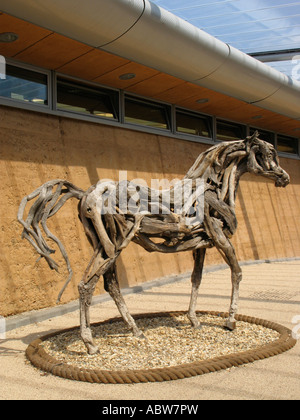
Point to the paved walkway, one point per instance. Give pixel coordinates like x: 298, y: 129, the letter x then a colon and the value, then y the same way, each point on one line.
x: 269, y: 291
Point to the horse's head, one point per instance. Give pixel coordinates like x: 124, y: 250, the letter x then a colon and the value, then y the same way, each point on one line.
x: 263, y: 160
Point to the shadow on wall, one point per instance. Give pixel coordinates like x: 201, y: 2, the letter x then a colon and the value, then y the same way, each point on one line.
x: 268, y: 218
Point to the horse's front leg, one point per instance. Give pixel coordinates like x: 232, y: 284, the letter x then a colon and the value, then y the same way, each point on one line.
x: 236, y: 278
x: 199, y: 256
x: 214, y: 228
x: 111, y: 285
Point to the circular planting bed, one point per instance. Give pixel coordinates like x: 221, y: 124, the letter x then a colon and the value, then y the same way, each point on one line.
x: 171, y: 350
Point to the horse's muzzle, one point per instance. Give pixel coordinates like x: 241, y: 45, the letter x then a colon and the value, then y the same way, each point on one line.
x: 283, y: 180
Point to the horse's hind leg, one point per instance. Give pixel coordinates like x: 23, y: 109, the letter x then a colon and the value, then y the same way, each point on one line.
x: 86, y: 290
x: 199, y: 256
x: 97, y: 267
x: 111, y: 285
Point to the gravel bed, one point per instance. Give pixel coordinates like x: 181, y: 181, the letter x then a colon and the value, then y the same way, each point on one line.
x: 170, y: 341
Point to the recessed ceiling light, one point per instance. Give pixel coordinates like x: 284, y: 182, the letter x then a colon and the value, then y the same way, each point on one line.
x: 127, y: 76
x: 202, y: 101
x: 8, y: 37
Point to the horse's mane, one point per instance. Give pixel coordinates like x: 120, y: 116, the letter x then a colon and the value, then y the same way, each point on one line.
x: 215, y: 158
x: 218, y: 166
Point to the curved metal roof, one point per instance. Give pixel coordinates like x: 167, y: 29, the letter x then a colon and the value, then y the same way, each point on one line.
x: 139, y: 30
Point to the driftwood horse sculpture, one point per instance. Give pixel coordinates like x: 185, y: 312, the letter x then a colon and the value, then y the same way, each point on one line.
x: 219, y: 169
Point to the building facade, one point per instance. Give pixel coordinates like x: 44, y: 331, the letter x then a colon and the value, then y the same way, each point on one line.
x: 69, y: 110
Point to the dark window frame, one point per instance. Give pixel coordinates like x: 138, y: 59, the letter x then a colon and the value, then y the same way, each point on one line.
x: 165, y: 108
x: 243, y: 128
x: 30, y: 70
x: 289, y: 138
x: 194, y: 115
x: 112, y: 96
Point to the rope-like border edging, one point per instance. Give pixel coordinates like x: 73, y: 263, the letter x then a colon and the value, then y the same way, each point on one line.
x: 40, y: 359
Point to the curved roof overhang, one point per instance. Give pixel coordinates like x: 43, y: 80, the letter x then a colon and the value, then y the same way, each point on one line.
x: 141, y: 31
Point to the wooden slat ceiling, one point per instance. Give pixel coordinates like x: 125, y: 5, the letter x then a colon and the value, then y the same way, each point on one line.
x: 43, y: 48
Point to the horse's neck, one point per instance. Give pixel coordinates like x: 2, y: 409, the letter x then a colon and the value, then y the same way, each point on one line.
x: 229, y: 181
x: 221, y: 167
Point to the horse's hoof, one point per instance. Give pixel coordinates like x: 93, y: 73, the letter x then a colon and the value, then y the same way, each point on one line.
x: 194, y: 322
x: 230, y: 325
x: 139, y: 335
x: 197, y: 326
x: 92, y: 349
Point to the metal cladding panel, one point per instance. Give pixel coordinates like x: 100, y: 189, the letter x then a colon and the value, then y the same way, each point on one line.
x: 245, y: 78
x: 284, y: 101
x: 93, y: 22
x: 174, y: 46
x: 167, y: 43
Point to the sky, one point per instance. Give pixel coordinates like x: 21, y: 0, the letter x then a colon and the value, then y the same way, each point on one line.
x: 251, y: 26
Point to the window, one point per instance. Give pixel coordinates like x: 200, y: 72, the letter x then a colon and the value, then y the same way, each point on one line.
x: 24, y: 85
x: 146, y: 113
x: 264, y: 135
x: 194, y: 124
x: 227, y: 131
x: 287, y: 144
x: 85, y: 99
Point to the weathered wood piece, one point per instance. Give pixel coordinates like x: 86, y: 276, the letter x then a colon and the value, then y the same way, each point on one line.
x: 156, y: 225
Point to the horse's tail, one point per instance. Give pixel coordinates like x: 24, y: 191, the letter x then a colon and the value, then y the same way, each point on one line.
x: 50, y: 197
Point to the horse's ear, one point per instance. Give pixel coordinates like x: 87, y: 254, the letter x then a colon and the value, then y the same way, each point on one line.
x: 250, y: 140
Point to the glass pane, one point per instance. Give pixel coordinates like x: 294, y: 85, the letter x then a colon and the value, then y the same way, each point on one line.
x: 75, y: 97
x: 264, y: 135
x: 146, y: 113
x: 227, y: 131
x: 192, y: 124
x: 24, y: 85
x: 287, y: 144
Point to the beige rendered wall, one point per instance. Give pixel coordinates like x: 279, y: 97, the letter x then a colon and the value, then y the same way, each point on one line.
x: 38, y: 147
